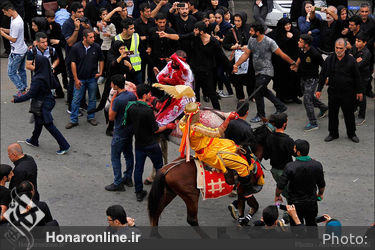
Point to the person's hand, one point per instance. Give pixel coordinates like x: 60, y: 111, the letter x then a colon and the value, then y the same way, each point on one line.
x: 235, y: 69
x: 162, y: 34
x: 243, y: 48
x: 217, y: 38
x: 130, y: 221
x: 171, y: 125
x: 360, y: 97
x: 156, y: 70
x: 278, y: 199
x: 148, y: 50
x: 323, y: 9
x: 327, y: 217
x: 2, y: 32
x: 118, y: 9
x: 359, y: 59
x: 321, y: 196
x: 217, y: 28
x: 77, y: 84
x: 174, y: 6
x: 163, y: 2
x: 309, y: 33
x: 289, y: 35
x: 129, y: 3
x: 345, y: 31
x: 99, y: 25
x: 233, y: 116
x: 317, y: 94
x: 291, y: 209
x: 257, y: 2
x: 294, y: 67
x: 98, y: 75
x: 77, y: 23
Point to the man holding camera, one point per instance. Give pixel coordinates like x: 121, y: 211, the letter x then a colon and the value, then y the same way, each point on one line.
x: 303, y: 177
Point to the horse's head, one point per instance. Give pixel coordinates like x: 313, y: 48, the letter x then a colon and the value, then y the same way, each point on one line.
x: 262, y: 132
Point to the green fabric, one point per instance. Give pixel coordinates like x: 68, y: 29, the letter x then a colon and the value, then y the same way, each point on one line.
x: 128, y: 106
x: 303, y: 158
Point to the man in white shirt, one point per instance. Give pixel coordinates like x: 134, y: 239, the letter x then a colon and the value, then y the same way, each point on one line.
x: 16, y: 60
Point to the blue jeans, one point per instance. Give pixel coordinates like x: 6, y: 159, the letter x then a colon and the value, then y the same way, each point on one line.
x: 125, y: 146
x: 138, y: 77
x: 78, y: 94
x: 154, y: 152
x: 16, y: 70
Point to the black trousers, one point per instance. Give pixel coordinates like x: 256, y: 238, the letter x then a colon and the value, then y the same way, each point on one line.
x: 205, y: 80
x: 347, y: 103
x: 306, y: 213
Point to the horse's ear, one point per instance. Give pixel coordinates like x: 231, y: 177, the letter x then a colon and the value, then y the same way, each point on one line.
x: 264, y: 119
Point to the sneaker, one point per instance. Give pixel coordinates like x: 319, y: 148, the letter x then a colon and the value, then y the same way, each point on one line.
x: 141, y: 195
x: 256, y: 119
x: 28, y: 142
x: 62, y: 151
x: 19, y: 94
x: 233, y: 211
x: 311, y: 127
x: 79, y: 112
x: 223, y: 95
x: 101, y: 80
x: 71, y: 125
x: 323, y: 113
x: 93, y: 122
x: 244, y: 220
x: 128, y: 182
x: 113, y: 187
x: 359, y: 121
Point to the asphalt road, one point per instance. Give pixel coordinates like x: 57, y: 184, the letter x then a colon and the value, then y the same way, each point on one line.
x: 73, y: 184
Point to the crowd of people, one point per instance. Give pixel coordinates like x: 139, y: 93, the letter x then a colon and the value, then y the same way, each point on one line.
x: 129, y: 45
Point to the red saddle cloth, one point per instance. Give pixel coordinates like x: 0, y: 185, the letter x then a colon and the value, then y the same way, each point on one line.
x: 215, y: 185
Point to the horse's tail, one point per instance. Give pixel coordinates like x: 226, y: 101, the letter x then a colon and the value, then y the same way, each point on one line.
x: 156, y: 194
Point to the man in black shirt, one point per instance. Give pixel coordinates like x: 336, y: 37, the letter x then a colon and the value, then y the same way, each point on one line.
x: 6, y: 175
x: 340, y: 72
x: 279, y: 147
x: 354, y: 27
x: 308, y: 64
x: 25, y: 168
x: 160, y: 6
x: 140, y: 115
x: 142, y: 26
x: 193, y: 7
x: 302, y: 177
x: 363, y: 57
x: 85, y: 57
x: 117, y: 15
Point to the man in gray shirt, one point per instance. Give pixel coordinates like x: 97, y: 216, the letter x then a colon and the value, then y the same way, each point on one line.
x: 262, y: 48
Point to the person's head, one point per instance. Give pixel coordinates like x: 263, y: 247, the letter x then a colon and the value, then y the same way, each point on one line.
x: 15, y: 152
x: 39, y: 24
x: 305, y: 41
x: 77, y: 10
x: 182, y: 55
x: 161, y: 21
x: 193, y: 5
x: 50, y: 16
x: 361, y: 40
x: 116, y: 216
x: 227, y: 14
x: 364, y: 11
x: 183, y: 11
x: 270, y: 215
x: 214, y: 3
x: 128, y: 26
x: 355, y: 23
x: 103, y: 13
x: 340, y: 47
x: 118, y: 82
x: 6, y: 173
x: 307, y: 7
x: 8, y: 9
x: 27, y: 188
x: 237, y: 20
x: 124, y: 12
x: 342, y: 12
x: 145, y: 10
x: 219, y: 16
x: 279, y: 120
x: 243, y: 108
x: 62, y: 4
x: 88, y: 36
x: 256, y: 30
x: 328, y: 16
x: 200, y: 28
x: 301, y: 147
x: 143, y: 92
x: 284, y: 25
x: 211, y: 16
x: 41, y: 40
x: 118, y: 47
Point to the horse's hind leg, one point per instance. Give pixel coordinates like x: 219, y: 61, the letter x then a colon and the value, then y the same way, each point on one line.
x: 167, y: 198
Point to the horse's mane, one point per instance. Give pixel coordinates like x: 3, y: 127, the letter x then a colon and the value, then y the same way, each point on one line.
x: 261, y: 134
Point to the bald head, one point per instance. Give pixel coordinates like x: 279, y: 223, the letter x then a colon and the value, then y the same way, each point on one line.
x: 15, y: 152
x: 340, y: 48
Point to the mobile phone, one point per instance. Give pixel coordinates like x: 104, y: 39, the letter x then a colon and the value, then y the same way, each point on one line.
x: 281, y: 206
x: 130, y: 52
x: 320, y: 219
x: 318, y: 8
x: 181, y: 5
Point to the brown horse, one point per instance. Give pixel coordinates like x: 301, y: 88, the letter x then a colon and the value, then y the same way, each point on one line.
x: 180, y: 178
